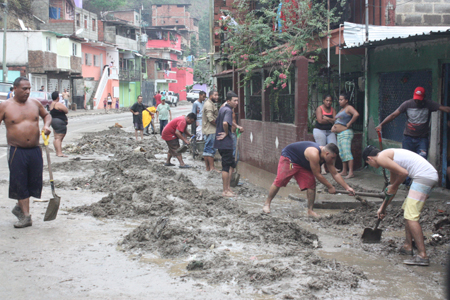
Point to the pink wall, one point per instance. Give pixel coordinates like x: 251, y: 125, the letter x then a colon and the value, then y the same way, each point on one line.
x: 165, y: 43
x: 185, y: 76
x: 173, y: 56
x: 92, y: 71
x: 109, y: 89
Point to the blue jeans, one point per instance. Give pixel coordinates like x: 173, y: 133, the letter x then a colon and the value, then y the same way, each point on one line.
x: 417, y: 145
x: 209, y: 145
x: 162, y: 124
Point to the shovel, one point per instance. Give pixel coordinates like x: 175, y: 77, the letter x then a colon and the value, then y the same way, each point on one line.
x: 184, y: 148
x: 53, y: 205
x: 373, y: 236
x: 235, y: 176
x: 375, y: 195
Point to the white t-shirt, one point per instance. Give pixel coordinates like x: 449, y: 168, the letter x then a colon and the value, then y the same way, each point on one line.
x: 417, y: 166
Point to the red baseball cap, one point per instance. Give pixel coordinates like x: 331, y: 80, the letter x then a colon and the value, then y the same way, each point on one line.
x: 419, y: 93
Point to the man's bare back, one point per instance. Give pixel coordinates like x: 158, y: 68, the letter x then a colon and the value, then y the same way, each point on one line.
x: 21, y: 116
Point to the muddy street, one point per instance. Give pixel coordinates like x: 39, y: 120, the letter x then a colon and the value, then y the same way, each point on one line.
x: 130, y: 228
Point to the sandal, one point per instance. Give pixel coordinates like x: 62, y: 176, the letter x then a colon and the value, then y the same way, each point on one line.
x: 168, y: 165
x: 417, y: 261
x: 185, y: 167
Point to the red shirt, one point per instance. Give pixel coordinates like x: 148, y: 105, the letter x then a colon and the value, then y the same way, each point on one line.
x: 179, y: 123
x: 158, y: 99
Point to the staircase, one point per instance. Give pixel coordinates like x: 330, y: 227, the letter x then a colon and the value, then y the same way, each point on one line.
x: 101, y: 87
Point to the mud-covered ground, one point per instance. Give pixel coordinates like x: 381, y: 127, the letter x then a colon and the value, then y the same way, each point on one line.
x: 223, y: 242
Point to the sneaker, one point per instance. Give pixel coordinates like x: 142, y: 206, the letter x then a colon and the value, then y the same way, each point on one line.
x: 25, y: 222
x: 17, y: 211
x: 417, y: 261
x: 403, y: 251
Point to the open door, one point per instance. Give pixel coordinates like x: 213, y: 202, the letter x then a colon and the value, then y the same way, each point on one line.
x: 445, y: 132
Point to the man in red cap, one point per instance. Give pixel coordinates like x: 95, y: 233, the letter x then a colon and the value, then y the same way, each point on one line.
x: 418, y: 111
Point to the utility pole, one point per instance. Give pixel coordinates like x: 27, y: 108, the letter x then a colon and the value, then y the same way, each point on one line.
x: 328, y: 47
x: 5, y: 69
x: 211, y: 35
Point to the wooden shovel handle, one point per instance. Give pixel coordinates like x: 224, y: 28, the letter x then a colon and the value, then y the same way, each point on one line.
x: 376, y: 195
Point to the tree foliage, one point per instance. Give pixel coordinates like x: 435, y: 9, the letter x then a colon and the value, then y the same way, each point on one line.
x: 256, y: 40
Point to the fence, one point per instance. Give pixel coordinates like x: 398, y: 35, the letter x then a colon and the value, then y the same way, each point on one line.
x: 351, y: 84
x: 394, y: 89
x: 253, y: 99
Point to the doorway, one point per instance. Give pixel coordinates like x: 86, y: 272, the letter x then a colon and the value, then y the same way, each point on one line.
x: 446, y: 119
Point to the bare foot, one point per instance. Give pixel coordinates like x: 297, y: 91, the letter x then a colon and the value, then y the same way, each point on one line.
x: 266, y: 209
x: 228, y: 194
x: 311, y: 213
x: 62, y: 155
x: 343, y: 174
x: 349, y: 176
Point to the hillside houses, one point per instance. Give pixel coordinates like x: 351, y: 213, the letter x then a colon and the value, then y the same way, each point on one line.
x: 93, y: 55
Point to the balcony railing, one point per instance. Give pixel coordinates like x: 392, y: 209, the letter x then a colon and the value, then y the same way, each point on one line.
x: 130, y: 75
x: 63, y: 62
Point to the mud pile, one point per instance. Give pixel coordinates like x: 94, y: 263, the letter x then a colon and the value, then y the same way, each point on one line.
x: 224, y: 243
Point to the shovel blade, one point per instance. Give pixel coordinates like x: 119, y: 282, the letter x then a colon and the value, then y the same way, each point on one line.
x: 52, y: 208
x: 371, y: 236
x: 235, y: 179
x: 182, y: 149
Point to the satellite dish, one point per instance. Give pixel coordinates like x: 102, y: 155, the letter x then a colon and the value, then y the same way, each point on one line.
x: 79, y: 31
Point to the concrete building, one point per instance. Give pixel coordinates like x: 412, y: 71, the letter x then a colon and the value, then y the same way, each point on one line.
x: 46, y: 58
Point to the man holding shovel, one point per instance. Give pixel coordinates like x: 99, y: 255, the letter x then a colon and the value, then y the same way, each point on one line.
x: 403, y: 163
x: 21, y: 117
x: 172, y: 133
x: 302, y: 160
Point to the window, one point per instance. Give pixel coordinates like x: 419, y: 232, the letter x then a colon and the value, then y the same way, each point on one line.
x: 144, y: 65
x: 94, y: 25
x: 48, y: 44
x: 96, y: 61
x: 85, y: 22
x: 78, y: 20
x: 74, y: 49
x: 88, y: 58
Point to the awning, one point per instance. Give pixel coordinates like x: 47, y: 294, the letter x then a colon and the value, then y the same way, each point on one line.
x: 355, y: 34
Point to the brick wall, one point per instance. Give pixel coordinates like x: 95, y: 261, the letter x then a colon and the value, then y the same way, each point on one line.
x: 151, y: 69
x: 101, y: 34
x: 75, y: 64
x: 170, y: 15
x: 422, y: 12
x: 128, y: 16
x: 40, y: 61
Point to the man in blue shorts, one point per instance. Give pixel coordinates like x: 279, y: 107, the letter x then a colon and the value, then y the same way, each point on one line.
x: 21, y: 116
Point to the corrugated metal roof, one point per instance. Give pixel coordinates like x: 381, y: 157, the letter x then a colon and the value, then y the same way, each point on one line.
x: 355, y: 34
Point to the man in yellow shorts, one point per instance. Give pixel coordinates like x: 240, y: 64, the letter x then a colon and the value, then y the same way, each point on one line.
x: 403, y: 163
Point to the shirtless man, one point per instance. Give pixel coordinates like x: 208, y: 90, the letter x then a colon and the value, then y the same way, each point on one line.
x: 402, y: 163
x: 21, y: 117
x: 302, y: 160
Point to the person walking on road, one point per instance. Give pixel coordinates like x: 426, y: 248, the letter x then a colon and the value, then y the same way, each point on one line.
x: 343, y: 127
x: 224, y: 141
x: 164, y: 114
x: 402, y: 163
x: 136, y: 110
x: 302, y: 161
x: 58, y: 112
x: 157, y: 99
x: 109, y: 98
x: 197, y: 108
x: 325, y: 118
x: 209, y: 116
x: 66, y: 96
x: 172, y: 134
x: 21, y: 117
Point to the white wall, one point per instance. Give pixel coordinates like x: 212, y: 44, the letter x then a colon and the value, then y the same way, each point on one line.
x: 15, y: 54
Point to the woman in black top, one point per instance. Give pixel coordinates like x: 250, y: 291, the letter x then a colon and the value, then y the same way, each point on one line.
x: 58, y: 112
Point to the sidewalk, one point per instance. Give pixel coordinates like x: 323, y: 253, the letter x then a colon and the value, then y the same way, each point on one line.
x: 364, y: 181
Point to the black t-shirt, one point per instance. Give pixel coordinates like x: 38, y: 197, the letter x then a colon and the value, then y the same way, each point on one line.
x: 138, y: 108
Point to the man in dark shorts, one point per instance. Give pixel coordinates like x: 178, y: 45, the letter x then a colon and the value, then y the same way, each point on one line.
x: 224, y: 141
x: 21, y: 116
x: 172, y: 133
x: 302, y: 160
x: 137, y: 110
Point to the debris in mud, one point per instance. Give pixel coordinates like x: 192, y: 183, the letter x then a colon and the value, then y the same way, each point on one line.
x: 213, y: 232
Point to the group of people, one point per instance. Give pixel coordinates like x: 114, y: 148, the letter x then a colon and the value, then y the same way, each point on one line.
x: 329, y: 124
x: 108, y: 102
x: 303, y: 160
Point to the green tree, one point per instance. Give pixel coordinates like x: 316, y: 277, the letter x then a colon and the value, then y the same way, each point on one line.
x: 204, y: 32
x: 194, y: 46
x: 98, y: 6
